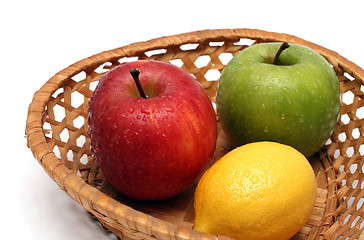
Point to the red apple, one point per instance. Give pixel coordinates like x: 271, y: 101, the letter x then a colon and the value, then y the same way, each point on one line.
x: 151, y: 147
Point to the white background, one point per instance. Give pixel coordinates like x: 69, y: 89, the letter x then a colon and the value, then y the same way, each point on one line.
x: 39, y: 38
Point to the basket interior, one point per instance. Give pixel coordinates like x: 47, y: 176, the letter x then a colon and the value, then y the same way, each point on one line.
x: 339, y: 166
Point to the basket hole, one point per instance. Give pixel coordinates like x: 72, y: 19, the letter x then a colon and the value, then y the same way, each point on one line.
x: 78, y: 122
x: 70, y: 155
x: 355, y: 221
x: 57, y: 92
x: 202, y: 61
x: 177, y: 62
x: 216, y: 44
x: 225, y: 58
x: 64, y: 135
x: 189, y: 46
x: 81, y: 141
x: 127, y: 59
x: 345, y: 119
x: 342, y: 137
x: 360, y: 203
x: 105, y: 67
x: 346, y: 220
x: 349, y: 201
x: 360, y: 112
x: 192, y: 75
x: 212, y: 75
x: 155, y: 52
x: 348, y: 98
x: 93, y: 85
x: 244, y: 42
x: 84, y: 159
x: 57, y: 152
x: 361, y: 150
x: 328, y: 142
x: 348, y: 76
x: 336, y: 153
x: 353, y: 168
x: 79, y: 76
x: 355, y: 133
x: 77, y: 99
x: 47, y: 129
x: 350, y: 151
x: 355, y: 184
x: 214, y: 105
x: 59, y: 113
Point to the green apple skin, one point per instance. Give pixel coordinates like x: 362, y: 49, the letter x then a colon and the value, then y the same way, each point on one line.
x: 296, y: 102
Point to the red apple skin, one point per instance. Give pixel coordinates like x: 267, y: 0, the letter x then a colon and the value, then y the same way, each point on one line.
x: 151, y: 148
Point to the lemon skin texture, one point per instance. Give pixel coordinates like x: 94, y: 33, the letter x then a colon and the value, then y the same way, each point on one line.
x: 260, y: 191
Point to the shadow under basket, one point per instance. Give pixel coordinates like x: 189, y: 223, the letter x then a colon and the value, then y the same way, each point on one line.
x: 56, y: 131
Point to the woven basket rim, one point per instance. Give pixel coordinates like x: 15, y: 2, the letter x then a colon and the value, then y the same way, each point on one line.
x: 77, y: 188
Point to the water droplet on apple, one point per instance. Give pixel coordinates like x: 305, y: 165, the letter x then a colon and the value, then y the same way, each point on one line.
x: 301, y: 120
x: 263, y: 106
x: 147, y: 111
x: 283, y: 116
x: 131, y: 110
x: 169, y: 109
x: 265, y: 129
x: 108, y: 118
x: 114, y: 127
x: 123, y: 115
x: 285, y: 89
x: 256, y: 87
x: 259, y: 77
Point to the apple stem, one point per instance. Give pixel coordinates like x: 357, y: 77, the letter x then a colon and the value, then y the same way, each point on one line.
x: 284, y: 46
x: 135, y: 74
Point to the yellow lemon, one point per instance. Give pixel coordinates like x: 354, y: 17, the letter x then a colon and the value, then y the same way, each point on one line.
x: 261, y: 190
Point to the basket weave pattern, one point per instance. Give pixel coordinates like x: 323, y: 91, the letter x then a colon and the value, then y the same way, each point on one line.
x: 57, y: 135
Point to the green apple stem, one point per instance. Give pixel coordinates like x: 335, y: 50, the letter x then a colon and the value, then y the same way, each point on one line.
x: 284, y: 46
x: 135, y: 74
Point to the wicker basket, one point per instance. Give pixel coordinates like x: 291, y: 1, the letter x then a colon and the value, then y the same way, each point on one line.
x: 56, y: 131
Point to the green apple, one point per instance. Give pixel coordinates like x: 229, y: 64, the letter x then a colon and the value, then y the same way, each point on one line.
x: 279, y: 92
